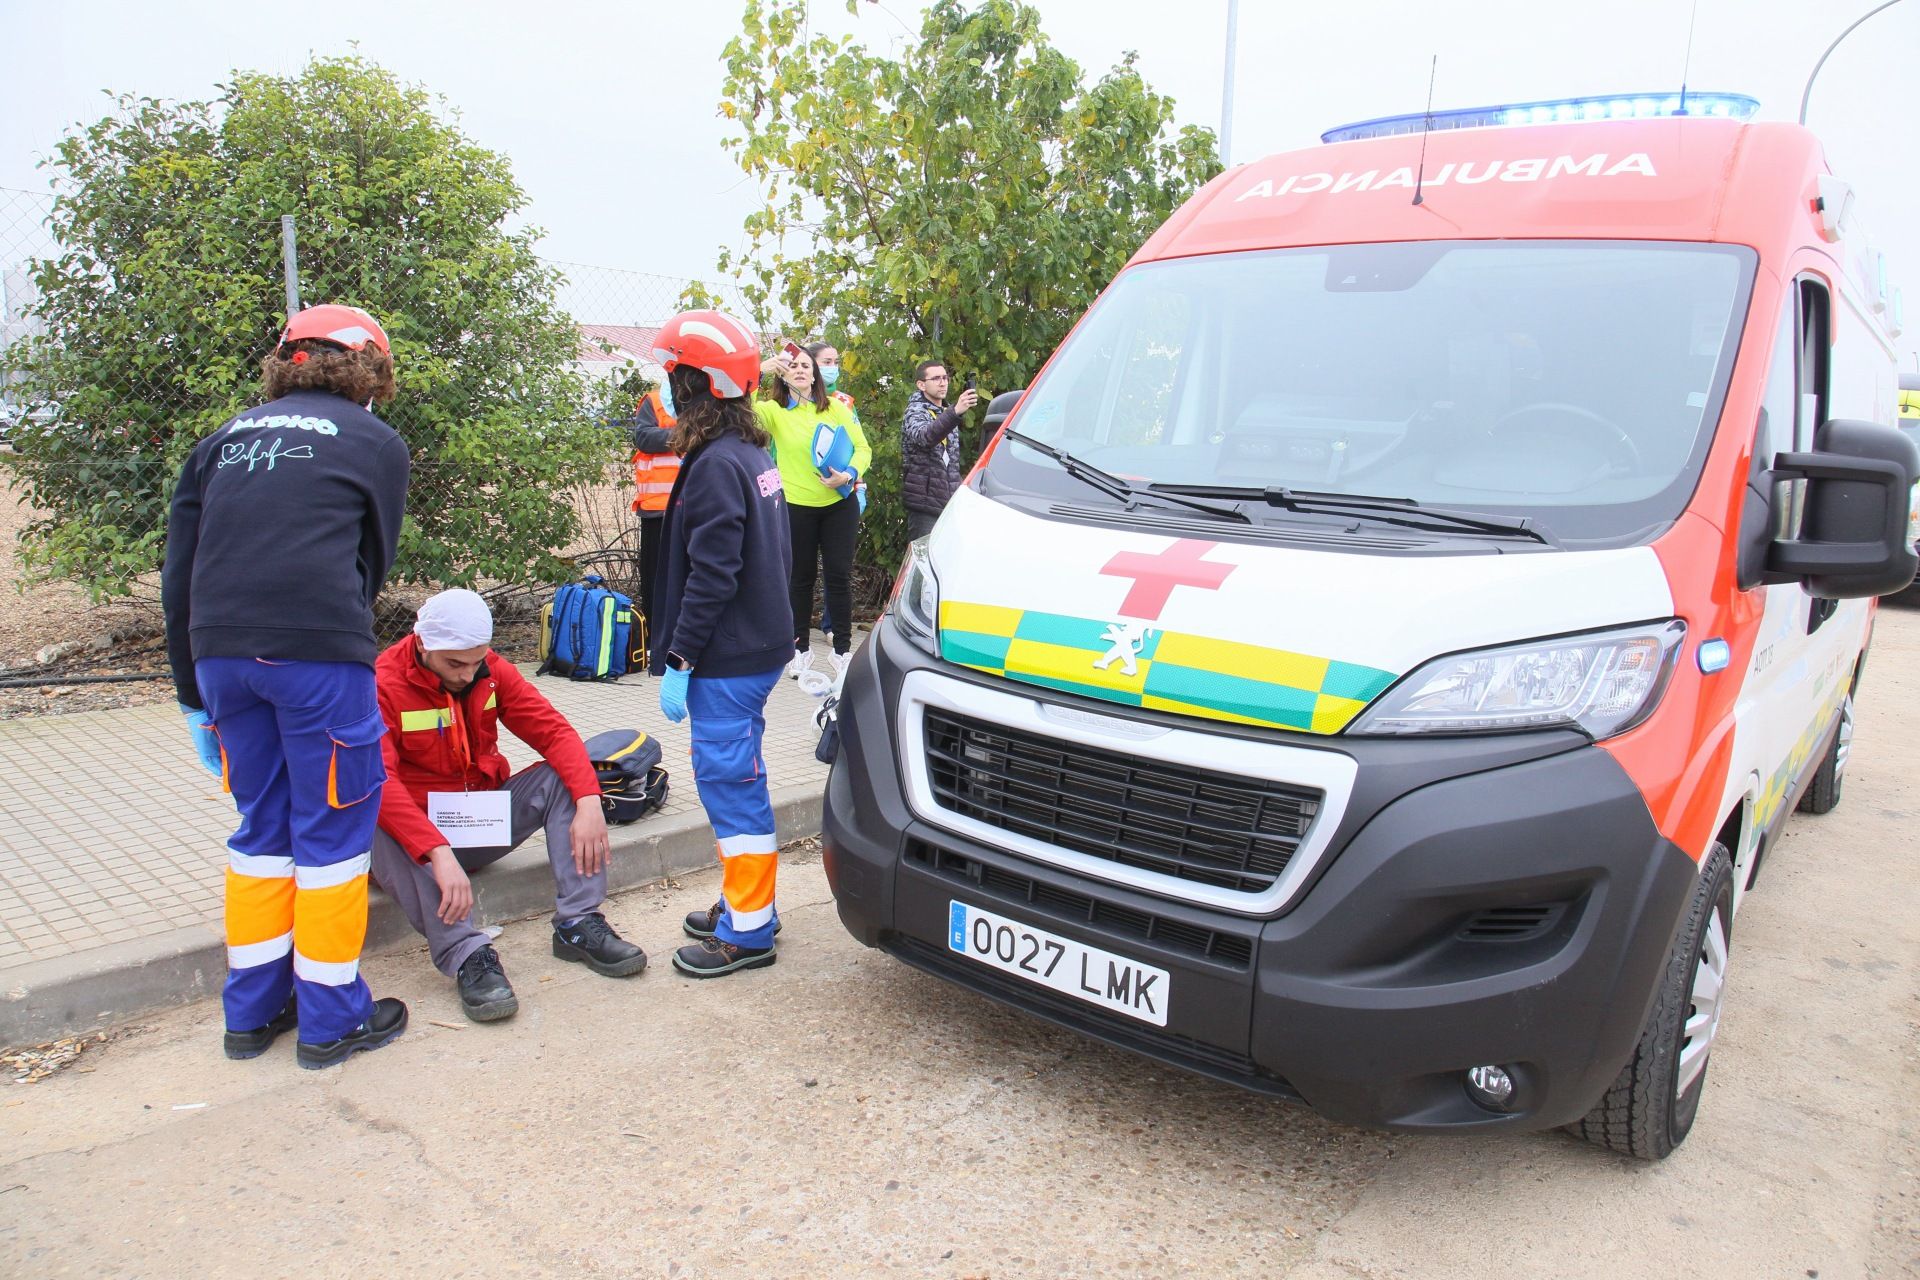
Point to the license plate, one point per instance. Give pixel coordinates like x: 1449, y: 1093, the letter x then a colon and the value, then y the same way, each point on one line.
x: 1061, y: 964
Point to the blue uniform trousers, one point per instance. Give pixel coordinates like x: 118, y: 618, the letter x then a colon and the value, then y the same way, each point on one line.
x: 301, y: 746
x: 728, y: 715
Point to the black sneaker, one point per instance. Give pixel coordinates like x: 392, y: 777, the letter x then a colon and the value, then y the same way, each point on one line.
x: 485, y: 993
x: 591, y: 941
x: 710, y: 957
x: 251, y: 1044
x: 383, y: 1025
x: 702, y: 924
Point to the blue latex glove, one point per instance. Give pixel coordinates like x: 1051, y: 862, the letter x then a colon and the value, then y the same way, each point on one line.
x: 205, y: 742
x: 673, y: 694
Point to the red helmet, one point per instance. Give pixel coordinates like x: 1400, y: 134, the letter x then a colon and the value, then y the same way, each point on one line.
x: 348, y: 327
x: 715, y: 343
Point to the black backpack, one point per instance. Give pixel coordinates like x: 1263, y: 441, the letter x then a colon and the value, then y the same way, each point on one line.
x: 632, y: 783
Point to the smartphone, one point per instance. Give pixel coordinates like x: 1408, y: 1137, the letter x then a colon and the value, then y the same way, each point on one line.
x: 793, y: 350
x: 970, y: 382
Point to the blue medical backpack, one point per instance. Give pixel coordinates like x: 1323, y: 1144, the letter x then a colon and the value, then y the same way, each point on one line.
x: 592, y: 632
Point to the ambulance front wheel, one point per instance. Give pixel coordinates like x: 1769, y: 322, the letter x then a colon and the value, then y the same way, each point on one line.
x: 1823, y: 793
x: 1650, y: 1107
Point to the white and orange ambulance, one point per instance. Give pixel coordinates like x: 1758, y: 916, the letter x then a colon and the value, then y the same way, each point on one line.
x: 1381, y: 649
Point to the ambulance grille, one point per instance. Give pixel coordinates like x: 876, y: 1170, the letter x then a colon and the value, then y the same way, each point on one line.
x: 1025, y: 893
x: 1185, y: 823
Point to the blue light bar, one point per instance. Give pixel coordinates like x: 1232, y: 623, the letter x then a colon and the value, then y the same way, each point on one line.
x: 1716, y: 106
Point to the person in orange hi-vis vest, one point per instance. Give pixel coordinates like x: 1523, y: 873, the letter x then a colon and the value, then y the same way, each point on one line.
x: 655, y: 467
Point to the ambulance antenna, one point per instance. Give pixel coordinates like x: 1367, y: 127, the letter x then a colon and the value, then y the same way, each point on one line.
x: 1426, y: 127
x: 1687, y: 64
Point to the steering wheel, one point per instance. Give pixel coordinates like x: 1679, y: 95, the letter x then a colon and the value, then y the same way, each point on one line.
x: 1619, y: 446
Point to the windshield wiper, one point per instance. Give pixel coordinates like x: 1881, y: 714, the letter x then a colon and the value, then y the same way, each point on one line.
x: 1397, y: 511
x: 1120, y: 490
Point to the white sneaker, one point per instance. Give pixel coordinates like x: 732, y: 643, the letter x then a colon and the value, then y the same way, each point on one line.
x: 802, y: 661
x: 840, y: 661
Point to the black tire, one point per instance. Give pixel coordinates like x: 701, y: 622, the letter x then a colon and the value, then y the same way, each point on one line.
x: 1823, y: 793
x: 1642, y: 1113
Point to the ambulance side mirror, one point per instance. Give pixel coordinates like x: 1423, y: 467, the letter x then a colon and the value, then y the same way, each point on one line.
x: 1001, y: 409
x: 1853, y: 539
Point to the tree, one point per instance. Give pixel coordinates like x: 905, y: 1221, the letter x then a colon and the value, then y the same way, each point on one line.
x: 167, y: 293
x: 963, y: 201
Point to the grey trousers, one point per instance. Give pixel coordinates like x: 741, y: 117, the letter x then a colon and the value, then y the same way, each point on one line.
x: 540, y: 800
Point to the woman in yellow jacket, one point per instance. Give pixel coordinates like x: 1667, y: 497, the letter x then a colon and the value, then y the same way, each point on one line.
x: 821, y: 509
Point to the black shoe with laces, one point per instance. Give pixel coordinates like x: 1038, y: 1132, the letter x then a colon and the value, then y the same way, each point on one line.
x: 710, y: 958
x: 485, y: 993
x: 383, y: 1025
x: 591, y: 941
x: 251, y: 1044
x: 702, y: 924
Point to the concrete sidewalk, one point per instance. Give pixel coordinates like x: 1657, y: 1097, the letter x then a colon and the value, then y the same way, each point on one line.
x: 113, y: 850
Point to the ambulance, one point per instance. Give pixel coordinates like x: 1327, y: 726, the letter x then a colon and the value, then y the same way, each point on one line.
x: 1380, y: 651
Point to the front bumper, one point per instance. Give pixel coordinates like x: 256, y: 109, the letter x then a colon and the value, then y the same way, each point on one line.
x: 1500, y: 901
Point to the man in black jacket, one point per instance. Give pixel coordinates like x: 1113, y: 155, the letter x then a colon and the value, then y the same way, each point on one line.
x: 930, y: 446
x: 282, y: 528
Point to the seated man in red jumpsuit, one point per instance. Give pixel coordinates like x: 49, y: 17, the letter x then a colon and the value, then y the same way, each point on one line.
x: 444, y: 694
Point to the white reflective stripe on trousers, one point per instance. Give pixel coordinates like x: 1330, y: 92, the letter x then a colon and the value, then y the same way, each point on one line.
x: 747, y: 921
x: 732, y: 845
x: 334, y: 873
x: 336, y: 974
x: 254, y: 954
x: 257, y: 867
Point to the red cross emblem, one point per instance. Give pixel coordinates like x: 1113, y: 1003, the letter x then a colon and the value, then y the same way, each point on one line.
x: 1155, y: 577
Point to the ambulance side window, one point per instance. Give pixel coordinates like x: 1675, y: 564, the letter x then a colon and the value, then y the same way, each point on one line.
x: 1812, y: 362
x: 1775, y: 432
x: 1813, y: 359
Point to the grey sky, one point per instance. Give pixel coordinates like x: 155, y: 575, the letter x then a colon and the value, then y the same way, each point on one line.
x: 605, y: 108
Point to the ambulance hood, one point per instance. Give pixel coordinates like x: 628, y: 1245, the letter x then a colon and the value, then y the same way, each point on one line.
x: 1247, y: 632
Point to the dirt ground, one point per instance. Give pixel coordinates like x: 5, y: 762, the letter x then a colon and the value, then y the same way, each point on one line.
x: 839, y: 1114
x: 112, y: 639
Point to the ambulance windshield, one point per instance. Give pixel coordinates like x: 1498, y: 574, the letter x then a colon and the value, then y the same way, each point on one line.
x: 1574, y: 383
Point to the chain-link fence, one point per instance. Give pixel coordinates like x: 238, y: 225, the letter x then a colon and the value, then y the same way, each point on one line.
x: 515, y: 376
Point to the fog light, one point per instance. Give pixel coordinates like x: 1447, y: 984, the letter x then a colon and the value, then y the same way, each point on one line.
x: 1491, y: 1087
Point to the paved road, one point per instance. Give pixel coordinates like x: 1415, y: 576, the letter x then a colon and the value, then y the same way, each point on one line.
x: 840, y: 1115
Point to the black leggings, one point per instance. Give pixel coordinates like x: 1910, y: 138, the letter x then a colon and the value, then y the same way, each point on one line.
x: 823, y: 533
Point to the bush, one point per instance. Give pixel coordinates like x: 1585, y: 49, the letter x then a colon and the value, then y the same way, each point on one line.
x: 167, y: 292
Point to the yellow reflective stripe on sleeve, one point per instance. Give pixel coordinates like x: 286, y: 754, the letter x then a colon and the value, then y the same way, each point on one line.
x: 431, y: 718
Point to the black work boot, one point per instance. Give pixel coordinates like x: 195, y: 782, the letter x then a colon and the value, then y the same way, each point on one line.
x: 383, y: 1025
x: 485, y: 993
x: 251, y: 1044
x: 591, y: 941
x: 702, y: 924
x: 710, y: 957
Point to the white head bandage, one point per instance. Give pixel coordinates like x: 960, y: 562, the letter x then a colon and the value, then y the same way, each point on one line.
x: 456, y: 619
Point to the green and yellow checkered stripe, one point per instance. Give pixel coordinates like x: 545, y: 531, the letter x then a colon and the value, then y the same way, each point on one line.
x: 1192, y: 675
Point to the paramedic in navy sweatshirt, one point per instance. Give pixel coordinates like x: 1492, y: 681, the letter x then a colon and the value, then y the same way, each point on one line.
x: 724, y: 630
x: 282, y: 529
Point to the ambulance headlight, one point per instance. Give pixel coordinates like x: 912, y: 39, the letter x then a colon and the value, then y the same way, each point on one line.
x: 1603, y: 682
x: 915, y: 604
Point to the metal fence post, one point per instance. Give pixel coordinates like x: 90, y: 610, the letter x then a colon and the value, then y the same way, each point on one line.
x: 290, y: 261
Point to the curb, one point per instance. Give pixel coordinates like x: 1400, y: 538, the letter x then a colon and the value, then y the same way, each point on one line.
x: 71, y: 995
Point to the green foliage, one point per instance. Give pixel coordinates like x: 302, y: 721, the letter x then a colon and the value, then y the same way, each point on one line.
x: 964, y: 201
x: 168, y: 292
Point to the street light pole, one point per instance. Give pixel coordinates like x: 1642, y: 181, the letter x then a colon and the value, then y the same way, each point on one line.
x: 1226, y: 89
x: 1830, y: 48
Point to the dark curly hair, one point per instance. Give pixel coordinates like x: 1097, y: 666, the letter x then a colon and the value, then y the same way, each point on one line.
x: 700, y: 418
x: 360, y: 376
